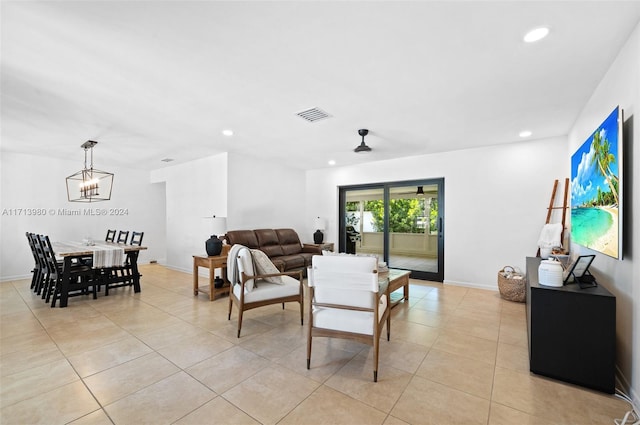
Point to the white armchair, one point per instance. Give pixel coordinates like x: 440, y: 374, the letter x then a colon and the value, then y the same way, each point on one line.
x: 256, y: 282
x: 347, y: 301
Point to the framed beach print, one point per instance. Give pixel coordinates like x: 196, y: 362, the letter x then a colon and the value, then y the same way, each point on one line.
x: 596, y: 189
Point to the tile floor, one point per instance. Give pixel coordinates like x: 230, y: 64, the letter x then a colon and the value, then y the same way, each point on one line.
x: 456, y: 356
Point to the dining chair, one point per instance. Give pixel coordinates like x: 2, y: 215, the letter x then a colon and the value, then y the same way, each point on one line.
x: 136, y: 238
x: 81, y: 276
x: 124, y: 275
x: 123, y: 235
x: 36, y: 279
x: 45, y: 270
x: 347, y: 301
x: 111, y: 235
x: 257, y: 282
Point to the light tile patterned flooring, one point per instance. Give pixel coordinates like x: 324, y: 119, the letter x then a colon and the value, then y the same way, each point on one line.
x: 456, y: 356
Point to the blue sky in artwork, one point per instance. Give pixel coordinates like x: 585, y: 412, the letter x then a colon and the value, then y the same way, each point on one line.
x: 585, y: 178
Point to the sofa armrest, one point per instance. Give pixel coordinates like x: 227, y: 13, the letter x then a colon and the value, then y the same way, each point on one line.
x: 312, y: 248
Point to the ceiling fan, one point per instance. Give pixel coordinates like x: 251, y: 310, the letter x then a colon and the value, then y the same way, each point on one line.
x: 363, y: 147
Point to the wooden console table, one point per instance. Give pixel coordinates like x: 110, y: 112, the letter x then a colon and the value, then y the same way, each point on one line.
x: 212, y: 263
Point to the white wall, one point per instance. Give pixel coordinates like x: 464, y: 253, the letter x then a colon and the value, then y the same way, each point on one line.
x: 194, y: 191
x: 267, y: 195
x: 621, y: 86
x: 250, y: 192
x: 37, y: 182
x: 496, y: 201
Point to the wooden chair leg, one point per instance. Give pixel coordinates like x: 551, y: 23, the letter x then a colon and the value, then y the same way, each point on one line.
x: 389, y: 326
x: 376, y: 347
x: 239, y: 321
x: 309, y: 349
x: 230, y: 304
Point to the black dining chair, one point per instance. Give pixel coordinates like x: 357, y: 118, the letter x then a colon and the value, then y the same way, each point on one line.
x: 81, y: 276
x: 123, y: 236
x: 36, y: 267
x: 45, y: 274
x: 111, y: 235
x: 136, y: 238
x: 125, y: 275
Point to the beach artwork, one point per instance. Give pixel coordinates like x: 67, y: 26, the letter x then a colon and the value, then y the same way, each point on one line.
x: 595, y: 189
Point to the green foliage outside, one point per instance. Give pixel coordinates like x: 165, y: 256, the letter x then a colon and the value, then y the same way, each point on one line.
x: 353, y: 219
x: 405, y: 215
x: 433, y: 216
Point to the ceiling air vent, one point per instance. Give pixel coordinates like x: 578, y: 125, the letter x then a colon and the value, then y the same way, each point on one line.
x: 167, y: 160
x: 313, y: 114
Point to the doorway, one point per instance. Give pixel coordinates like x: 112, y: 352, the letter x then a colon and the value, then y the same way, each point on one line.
x: 401, y: 222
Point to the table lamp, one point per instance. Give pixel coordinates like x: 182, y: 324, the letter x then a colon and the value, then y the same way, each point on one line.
x: 214, y: 244
x: 318, y: 236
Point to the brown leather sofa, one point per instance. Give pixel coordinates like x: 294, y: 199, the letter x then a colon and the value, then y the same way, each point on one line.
x: 282, y: 246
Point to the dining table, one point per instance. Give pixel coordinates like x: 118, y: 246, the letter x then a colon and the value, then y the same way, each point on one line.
x: 103, y: 255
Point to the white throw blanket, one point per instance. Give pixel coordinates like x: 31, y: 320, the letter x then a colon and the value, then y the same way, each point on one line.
x: 107, y: 256
x: 232, y: 264
x: 550, y: 236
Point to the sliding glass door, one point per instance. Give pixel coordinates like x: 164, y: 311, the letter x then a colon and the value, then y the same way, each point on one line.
x: 401, y: 222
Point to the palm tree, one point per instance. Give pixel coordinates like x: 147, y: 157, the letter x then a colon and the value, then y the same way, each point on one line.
x: 603, y: 158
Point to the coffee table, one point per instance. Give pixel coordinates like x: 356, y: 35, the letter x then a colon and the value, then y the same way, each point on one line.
x: 397, y: 279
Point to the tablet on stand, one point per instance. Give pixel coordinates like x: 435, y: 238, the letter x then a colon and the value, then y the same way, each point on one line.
x: 580, y: 272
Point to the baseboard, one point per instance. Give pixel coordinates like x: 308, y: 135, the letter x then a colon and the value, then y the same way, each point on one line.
x: 635, y: 399
x: 17, y: 277
x: 623, y: 384
x: 471, y: 285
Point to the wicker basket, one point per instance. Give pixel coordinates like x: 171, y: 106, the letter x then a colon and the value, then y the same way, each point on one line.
x: 512, y: 285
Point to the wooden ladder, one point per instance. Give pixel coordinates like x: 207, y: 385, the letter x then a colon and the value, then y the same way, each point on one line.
x: 551, y: 208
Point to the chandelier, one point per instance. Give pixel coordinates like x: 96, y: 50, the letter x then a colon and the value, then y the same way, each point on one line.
x: 89, y: 184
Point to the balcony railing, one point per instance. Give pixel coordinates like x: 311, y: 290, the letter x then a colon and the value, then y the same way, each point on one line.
x: 413, y: 244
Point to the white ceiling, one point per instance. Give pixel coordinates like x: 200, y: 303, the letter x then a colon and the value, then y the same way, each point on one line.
x: 153, y: 80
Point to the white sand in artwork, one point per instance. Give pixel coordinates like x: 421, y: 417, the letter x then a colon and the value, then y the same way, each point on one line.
x: 608, y: 243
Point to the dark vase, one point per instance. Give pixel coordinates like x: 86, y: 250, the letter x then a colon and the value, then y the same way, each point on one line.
x: 318, y: 236
x: 218, y: 282
x: 213, y: 245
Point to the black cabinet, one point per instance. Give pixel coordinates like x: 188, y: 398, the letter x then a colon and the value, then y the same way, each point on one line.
x: 572, y: 332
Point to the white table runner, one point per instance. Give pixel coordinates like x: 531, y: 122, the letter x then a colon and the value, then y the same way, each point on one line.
x: 105, y: 256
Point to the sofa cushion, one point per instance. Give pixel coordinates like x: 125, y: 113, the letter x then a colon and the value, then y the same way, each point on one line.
x: 292, y: 262
x: 268, y: 242
x: 279, y: 264
x: 243, y: 237
x: 289, y: 240
x: 307, y: 258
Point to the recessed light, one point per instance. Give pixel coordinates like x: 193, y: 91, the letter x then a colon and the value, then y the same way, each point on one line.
x: 536, y: 34
x: 227, y: 133
x: 525, y: 133
x: 332, y: 162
